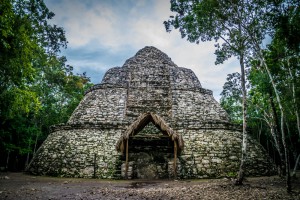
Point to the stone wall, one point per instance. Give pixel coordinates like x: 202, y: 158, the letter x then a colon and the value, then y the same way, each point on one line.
x: 147, y: 82
x: 106, y: 104
x: 78, y: 153
x: 210, y: 153
x: 216, y: 153
x: 196, y: 108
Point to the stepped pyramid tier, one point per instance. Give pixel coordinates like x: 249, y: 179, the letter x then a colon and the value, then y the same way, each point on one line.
x: 147, y: 119
x: 150, y: 82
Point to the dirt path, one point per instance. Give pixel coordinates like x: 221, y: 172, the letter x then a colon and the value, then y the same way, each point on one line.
x: 22, y: 186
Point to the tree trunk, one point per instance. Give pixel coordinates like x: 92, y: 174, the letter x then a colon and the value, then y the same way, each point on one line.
x: 274, y: 112
x: 240, y: 178
x: 283, y: 137
x: 295, y: 167
x: 28, y: 154
x: 287, y: 164
x: 259, y: 132
x: 35, y: 143
x: 276, y: 136
x: 294, y: 101
x: 7, y: 160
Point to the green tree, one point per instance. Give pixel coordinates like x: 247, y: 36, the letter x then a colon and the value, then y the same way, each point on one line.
x: 241, y: 26
x: 37, y: 88
x: 276, y: 102
x: 264, y: 107
x: 285, y: 51
x: 26, y: 40
x: 59, y: 92
x: 229, y: 23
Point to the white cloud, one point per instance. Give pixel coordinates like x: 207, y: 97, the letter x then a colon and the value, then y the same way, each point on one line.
x: 132, y: 25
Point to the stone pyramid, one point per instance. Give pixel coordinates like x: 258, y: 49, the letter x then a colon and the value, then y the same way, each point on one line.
x: 149, y: 107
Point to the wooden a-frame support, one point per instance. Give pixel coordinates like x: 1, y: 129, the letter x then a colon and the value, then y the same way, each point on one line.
x: 138, y: 125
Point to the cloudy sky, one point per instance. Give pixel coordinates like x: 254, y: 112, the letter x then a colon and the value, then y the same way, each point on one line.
x: 104, y: 33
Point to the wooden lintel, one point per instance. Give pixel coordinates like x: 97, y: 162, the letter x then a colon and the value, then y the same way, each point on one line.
x: 150, y: 136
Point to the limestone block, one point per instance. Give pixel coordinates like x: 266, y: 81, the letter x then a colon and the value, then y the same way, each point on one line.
x: 216, y: 160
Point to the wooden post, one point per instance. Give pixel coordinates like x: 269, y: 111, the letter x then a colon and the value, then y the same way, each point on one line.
x: 175, y: 159
x: 126, y: 165
x: 95, y: 167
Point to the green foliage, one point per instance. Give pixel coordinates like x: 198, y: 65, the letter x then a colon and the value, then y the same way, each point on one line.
x: 26, y: 41
x: 231, y: 98
x: 286, y: 20
x: 37, y: 88
x: 239, y: 29
x: 232, y: 24
x: 231, y: 175
x: 263, y: 110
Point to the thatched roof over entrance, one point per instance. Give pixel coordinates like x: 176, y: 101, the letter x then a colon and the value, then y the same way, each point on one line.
x: 141, y: 122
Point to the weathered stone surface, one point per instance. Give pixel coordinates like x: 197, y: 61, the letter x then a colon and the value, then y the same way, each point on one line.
x: 147, y: 82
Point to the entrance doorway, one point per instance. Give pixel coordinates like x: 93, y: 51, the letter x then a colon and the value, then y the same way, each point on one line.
x: 150, y: 148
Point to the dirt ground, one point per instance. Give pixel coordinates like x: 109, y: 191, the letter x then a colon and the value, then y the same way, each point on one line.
x: 22, y: 186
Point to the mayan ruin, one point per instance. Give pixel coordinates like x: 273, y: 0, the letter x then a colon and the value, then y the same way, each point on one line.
x: 148, y: 119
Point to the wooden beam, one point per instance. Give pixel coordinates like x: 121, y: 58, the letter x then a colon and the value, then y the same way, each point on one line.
x: 126, y: 165
x: 175, y: 159
x: 150, y: 136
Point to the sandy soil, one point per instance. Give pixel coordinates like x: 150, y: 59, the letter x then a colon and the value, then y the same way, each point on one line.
x: 22, y: 186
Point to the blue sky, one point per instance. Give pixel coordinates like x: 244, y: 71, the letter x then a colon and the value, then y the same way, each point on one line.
x: 104, y: 33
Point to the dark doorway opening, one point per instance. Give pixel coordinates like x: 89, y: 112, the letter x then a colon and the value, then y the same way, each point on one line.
x: 149, y: 148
